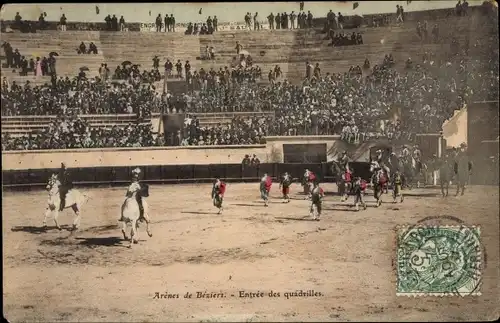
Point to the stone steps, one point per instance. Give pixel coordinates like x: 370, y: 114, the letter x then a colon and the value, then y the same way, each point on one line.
x: 282, y: 47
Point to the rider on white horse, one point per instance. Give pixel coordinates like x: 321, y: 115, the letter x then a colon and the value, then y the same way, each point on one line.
x: 344, y: 160
x: 66, y: 184
x: 136, y: 186
x: 380, y: 160
x: 405, y: 153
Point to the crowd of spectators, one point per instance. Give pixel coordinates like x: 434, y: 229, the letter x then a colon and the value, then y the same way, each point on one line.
x: 38, y: 66
x: 79, y: 96
x: 132, y: 74
x: 395, y: 98
x: 342, y: 39
x: 282, y: 20
x: 207, y: 28
x: 167, y: 24
x: 82, y: 49
x: 73, y: 132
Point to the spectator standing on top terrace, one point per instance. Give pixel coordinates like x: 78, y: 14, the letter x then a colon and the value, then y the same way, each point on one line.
x: 284, y: 20
x: 399, y: 13
x: 256, y: 23
x: 293, y: 17
x: 465, y: 8
x: 18, y: 20
x: 62, y: 22
x: 248, y: 19
x: 458, y: 8
x: 122, y: 23
x: 114, y: 23
x: 41, y: 21
x: 172, y: 23
x: 158, y: 23
x: 277, y: 19
x: 309, y: 19
x: 107, y: 19
x: 270, y: 21
x: 340, y: 20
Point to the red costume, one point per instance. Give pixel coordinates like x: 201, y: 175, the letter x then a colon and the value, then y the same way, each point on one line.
x: 347, y: 176
x: 268, y: 183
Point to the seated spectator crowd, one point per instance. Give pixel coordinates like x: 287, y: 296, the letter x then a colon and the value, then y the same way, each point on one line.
x: 394, y: 98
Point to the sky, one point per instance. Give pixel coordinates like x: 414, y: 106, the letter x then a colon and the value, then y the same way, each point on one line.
x: 225, y: 11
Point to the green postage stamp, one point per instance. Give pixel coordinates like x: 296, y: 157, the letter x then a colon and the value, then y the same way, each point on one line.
x: 438, y: 261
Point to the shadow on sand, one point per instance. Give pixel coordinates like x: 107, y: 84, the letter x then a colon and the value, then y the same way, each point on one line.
x: 421, y: 194
x: 304, y: 218
x: 343, y: 208
x: 197, y: 212
x: 38, y: 230
x: 243, y: 204
x: 103, y: 241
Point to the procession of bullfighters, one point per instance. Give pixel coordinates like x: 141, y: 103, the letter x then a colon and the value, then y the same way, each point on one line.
x: 371, y: 194
x: 395, y: 172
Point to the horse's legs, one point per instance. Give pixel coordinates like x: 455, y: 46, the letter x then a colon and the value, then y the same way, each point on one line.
x: 47, y: 213
x: 134, y: 232
x: 124, y: 227
x: 76, y: 222
x: 56, y: 215
x: 146, y: 218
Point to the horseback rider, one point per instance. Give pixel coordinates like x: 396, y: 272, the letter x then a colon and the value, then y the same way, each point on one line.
x: 135, y: 179
x: 381, y: 161
x: 343, y: 160
x: 66, y: 184
x: 405, y: 153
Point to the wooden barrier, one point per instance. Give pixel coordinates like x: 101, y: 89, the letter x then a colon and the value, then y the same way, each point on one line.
x: 121, y: 157
x: 173, y: 173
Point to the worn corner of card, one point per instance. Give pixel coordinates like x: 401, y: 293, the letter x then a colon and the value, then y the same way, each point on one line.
x: 441, y: 260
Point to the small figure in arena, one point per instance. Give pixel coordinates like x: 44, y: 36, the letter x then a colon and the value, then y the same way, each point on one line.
x: 462, y: 169
x: 218, y: 190
x: 380, y: 158
x: 347, y: 179
x: 265, y: 187
x: 359, y: 188
x: 286, y: 181
x: 66, y: 184
x: 397, y: 182
x: 317, y: 195
x: 308, y: 180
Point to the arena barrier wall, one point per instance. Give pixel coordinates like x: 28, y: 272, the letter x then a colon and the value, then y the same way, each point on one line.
x: 173, y: 173
x: 272, y: 152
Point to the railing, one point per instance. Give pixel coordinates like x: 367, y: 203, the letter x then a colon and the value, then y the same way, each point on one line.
x: 173, y: 173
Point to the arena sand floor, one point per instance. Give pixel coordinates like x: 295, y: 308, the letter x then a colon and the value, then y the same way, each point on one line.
x: 348, y: 257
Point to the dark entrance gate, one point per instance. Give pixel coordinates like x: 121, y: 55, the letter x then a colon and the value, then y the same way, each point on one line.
x: 304, y: 153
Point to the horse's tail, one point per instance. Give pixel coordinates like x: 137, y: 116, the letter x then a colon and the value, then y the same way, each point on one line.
x: 85, y: 198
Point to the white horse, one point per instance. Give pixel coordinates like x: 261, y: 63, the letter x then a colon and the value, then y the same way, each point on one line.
x: 131, y: 214
x: 74, y: 199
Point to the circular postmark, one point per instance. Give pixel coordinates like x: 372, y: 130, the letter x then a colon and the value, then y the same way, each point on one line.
x: 436, y: 258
